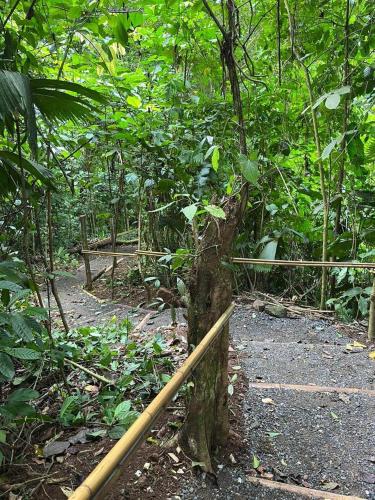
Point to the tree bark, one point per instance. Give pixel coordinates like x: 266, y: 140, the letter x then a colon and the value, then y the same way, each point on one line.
x: 207, y: 422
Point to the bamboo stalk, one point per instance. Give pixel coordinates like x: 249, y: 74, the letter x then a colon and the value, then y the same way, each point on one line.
x: 129, y: 442
x: 242, y: 260
x: 371, y: 319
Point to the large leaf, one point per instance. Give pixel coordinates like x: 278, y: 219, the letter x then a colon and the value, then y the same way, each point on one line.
x: 215, y: 211
x: 35, y: 169
x: 19, y: 95
x: 23, y: 394
x: 37, y: 84
x: 15, y: 97
x: 190, y: 212
x: 20, y: 327
x: 249, y: 169
x: 21, y: 353
x: 59, y: 106
x: 6, y: 366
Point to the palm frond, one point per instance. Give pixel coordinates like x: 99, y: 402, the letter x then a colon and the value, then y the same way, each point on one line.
x: 20, y: 95
x: 16, y: 98
x: 60, y: 106
x: 39, y: 172
x: 44, y: 83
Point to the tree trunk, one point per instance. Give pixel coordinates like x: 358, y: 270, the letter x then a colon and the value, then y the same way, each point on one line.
x: 207, y: 421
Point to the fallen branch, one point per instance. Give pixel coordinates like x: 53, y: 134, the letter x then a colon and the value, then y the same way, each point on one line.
x: 90, y: 372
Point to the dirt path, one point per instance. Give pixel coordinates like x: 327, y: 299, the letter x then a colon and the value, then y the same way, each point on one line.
x: 82, y: 308
x: 309, y: 437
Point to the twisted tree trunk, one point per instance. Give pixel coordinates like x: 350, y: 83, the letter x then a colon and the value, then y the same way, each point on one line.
x: 207, y: 422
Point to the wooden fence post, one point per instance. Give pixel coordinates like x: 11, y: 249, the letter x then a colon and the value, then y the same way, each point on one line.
x: 86, y: 258
x: 371, y: 317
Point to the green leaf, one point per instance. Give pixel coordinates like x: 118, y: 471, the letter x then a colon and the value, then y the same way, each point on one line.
x: 121, y: 30
x: 6, y: 366
x: 215, y: 158
x: 116, y: 432
x: 43, y: 83
x: 3, y: 437
x: 134, y: 101
x: 249, y: 169
x: 190, y: 212
x: 21, y: 353
x: 328, y: 149
x: 256, y: 462
x: 273, y: 434
x: 23, y: 395
x: 332, y: 101
x: 122, y: 410
x: 269, y: 250
x: 215, y: 211
x: 20, y: 327
x: 38, y: 171
x: 9, y: 285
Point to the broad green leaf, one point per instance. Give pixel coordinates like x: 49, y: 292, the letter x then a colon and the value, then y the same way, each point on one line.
x: 256, y: 462
x: 6, y: 366
x: 38, y: 171
x: 215, y: 211
x: 23, y: 394
x: 190, y: 212
x: 116, y: 432
x: 20, y: 327
x: 249, y: 169
x: 269, y: 251
x: 122, y: 409
x: 134, y: 101
x: 21, y: 352
x: 332, y: 101
x: 328, y: 149
x: 215, y: 158
x: 9, y: 285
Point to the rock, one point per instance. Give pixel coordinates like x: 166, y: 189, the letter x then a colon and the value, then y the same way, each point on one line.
x: 259, y: 305
x: 80, y: 437
x: 276, y: 311
x: 55, y: 448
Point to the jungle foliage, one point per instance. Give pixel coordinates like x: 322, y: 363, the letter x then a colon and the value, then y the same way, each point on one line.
x: 127, y: 113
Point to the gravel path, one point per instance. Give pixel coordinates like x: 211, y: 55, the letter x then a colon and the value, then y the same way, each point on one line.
x: 82, y: 308
x: 311, y: 439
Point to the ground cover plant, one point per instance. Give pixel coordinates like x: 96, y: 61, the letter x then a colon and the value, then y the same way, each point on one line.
x: 204, y: 130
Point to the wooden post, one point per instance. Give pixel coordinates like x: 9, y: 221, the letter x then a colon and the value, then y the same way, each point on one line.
x: 86, y: 258
x: 114, y: 262
x: 371, y: 318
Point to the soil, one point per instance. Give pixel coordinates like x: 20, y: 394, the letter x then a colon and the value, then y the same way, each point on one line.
x: 314, y: 439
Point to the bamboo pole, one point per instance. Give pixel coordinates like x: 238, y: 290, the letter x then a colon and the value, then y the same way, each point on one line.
x: 86, y: 258
x: 129, y: 442
x: 371, y: 318
x: 241, y: 260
